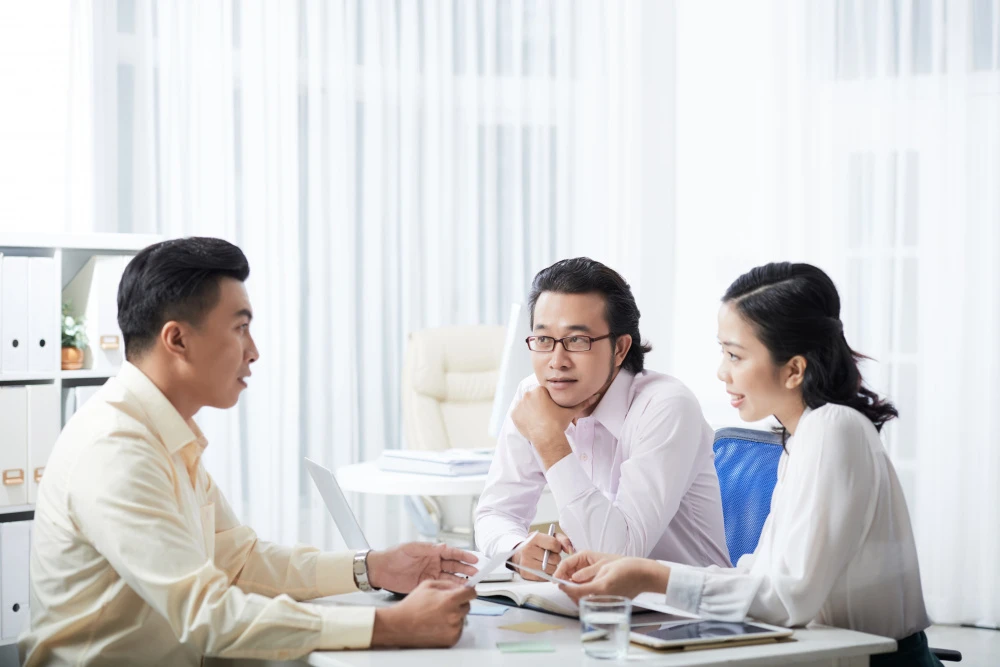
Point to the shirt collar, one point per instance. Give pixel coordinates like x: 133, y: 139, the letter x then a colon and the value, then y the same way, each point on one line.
x: 162, y: 417
x: 611, y: 411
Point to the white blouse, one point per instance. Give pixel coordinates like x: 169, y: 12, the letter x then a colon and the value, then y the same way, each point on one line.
x: 837, y: 548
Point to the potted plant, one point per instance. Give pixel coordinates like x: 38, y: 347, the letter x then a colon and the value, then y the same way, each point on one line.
x: 74, y: 340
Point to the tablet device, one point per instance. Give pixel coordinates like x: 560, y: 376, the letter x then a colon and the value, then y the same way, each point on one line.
x: 691, y: 632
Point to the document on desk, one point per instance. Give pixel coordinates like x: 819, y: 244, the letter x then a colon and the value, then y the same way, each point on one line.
x: 497, y: 561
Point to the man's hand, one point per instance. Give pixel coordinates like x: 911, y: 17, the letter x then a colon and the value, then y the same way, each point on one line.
x: 604, y: 574
x: 431, y: 616
x: 401, y: 569
x: 543, y: 422
x: 531, y: 555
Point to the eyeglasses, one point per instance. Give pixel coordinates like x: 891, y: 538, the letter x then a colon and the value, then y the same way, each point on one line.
x: 569, y: 343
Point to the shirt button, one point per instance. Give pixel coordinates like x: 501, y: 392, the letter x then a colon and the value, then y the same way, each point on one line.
x: 583, y: 457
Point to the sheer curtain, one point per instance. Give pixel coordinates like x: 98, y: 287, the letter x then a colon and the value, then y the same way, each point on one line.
x: 864, y: 136
x: 386, y: 166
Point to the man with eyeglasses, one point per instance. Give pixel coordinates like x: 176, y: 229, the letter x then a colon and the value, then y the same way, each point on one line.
x: 626, y: 452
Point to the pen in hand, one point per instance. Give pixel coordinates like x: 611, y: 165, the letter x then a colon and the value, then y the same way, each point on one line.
x: 545, y: 556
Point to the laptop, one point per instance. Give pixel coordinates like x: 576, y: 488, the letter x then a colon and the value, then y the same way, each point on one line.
x: 337, y: 505
x: 350, y: 529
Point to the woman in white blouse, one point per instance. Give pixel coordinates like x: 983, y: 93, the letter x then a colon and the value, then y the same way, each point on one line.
x: 837, y: 547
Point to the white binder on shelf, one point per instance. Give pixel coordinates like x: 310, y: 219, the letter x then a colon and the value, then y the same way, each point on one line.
x: 43, y: 315
x: 93, y: 293
x: 13, y: 446
x: 15, y: 541
x: 43, y: 429
x: 14, y: 314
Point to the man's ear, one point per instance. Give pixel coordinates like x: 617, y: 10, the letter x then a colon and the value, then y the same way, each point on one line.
x: 795, y: 370
x: 174, y: 338
x: 622, y: 345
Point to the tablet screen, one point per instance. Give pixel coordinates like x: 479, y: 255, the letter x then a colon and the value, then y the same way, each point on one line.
x: 699, y: 630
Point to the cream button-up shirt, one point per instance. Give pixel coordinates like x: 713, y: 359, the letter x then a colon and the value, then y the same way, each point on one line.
x: 137, y: 558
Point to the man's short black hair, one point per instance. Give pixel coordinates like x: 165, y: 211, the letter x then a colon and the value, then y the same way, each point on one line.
x: 582, y: 275
x: 176, y: 280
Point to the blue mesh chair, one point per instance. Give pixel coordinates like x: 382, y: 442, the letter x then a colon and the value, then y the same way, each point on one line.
x: 747, y: 464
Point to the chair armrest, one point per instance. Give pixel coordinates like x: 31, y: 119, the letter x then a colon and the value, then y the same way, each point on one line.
x: 947, y: 654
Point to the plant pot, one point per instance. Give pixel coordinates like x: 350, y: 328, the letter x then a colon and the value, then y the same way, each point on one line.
x: 72, y: 359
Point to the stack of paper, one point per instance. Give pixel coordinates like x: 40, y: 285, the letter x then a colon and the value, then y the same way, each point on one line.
x: 450, y: 462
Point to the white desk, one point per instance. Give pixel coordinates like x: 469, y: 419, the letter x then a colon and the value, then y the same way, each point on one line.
x: 812, y: 648
x: 369, y: 478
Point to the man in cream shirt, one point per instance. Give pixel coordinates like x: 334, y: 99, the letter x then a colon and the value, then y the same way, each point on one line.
x: 137, y: 557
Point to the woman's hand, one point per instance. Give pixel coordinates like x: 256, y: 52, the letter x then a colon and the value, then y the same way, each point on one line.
x: 582, y: 561
x: 601, y: 574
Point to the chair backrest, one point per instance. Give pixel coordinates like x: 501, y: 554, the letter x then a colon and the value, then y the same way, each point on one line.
x: 746, y: 461
x: 449, y: 378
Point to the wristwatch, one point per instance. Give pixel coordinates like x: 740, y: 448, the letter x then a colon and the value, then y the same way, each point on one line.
x: 361, y: 572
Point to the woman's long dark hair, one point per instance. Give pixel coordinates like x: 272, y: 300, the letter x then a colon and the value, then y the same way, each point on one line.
x: 795, y: 310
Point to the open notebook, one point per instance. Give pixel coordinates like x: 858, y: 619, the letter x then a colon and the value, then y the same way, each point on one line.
x: 539, y: 595
x: 546, y: 596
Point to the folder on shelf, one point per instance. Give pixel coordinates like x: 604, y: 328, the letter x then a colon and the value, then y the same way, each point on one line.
x: 14, y: 446
x: 43, y: 315
x: 15, y: 541
x: 93, y: 293
x: 43, y: 429
x: 14, y: 314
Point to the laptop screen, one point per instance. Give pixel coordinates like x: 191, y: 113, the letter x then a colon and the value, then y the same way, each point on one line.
x: 337, y: 505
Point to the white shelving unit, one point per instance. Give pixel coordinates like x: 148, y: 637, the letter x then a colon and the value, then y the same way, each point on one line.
x: 71, y: 252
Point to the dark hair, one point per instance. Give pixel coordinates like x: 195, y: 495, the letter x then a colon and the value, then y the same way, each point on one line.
x: 173, y: 280
x: 795, y: 310
x: 582, y: 275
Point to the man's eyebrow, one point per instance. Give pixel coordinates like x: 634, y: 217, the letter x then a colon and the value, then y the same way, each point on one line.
x: 244, y: 312
x: 571, y: 327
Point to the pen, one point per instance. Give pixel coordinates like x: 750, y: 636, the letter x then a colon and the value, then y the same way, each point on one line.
x: 545, y: 558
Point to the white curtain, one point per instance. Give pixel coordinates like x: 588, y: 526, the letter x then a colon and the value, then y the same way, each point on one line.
x: 386, y: 166
x: 394, y: 165
x: 863, y: 136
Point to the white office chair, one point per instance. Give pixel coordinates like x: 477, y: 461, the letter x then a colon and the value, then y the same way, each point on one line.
x: 449, y: 379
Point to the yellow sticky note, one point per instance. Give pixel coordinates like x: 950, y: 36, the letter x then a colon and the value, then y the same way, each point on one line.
x: 531, y: 628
